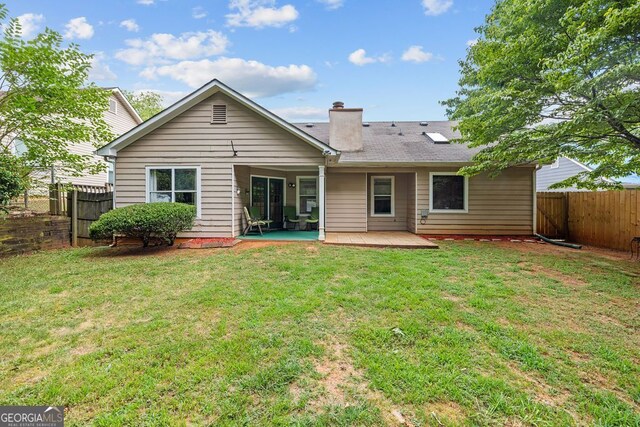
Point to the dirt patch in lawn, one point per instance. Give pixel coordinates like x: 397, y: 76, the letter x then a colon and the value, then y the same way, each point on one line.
x: 548, y: 248
x: 343, y: 384
x: 337, y: 374
x: 258, y: 244
x: 565, y: 279
x: 446, y: 411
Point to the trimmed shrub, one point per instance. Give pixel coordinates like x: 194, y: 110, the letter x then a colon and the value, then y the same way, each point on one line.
x: 145, y: 221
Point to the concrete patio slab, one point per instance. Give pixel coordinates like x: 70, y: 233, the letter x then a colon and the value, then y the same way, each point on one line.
x: 381, y: 239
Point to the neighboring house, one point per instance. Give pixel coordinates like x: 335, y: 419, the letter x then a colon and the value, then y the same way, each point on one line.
x: 561, y: 169
x: 221, y: 152
x: 120, y: 116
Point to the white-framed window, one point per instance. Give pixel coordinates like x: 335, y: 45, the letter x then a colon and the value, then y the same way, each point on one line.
x: 382, y: 196
x: 306, y: 194
x: 448, y: 192
x: 179, y: 184
x: 110, y: 174
x: 113, y: 106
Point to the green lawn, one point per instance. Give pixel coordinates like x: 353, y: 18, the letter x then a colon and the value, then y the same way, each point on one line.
x: 305, y: 334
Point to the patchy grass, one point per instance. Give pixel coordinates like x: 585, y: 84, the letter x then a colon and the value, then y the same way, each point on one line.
x: 305, y: 334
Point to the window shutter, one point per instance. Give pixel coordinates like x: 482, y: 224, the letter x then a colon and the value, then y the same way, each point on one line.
x: 219, y: 114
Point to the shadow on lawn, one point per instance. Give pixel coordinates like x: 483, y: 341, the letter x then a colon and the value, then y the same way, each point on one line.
x: 130, y: 251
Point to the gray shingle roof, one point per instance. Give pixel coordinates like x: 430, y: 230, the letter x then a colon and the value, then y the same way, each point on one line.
x: 404, y: 143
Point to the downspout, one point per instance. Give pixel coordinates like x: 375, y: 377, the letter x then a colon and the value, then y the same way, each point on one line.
x: 535, y: 200
x: 112, y: 161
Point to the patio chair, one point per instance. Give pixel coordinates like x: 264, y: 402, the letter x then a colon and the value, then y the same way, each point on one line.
x: 291, y: 217
x: 313, y: 218
x: 255, y: 214
x: 252, y: 222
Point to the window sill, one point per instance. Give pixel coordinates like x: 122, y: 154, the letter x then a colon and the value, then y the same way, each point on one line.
x: 447, y: 211
x: 391, y: 215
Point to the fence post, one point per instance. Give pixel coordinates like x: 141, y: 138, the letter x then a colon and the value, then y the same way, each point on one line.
x: 74, y: 217
x: 52, y: 203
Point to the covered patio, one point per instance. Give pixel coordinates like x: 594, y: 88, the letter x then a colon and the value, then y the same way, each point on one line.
x: 288, y: 200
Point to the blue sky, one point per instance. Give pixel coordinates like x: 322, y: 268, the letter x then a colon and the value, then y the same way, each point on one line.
x: 396, y: 59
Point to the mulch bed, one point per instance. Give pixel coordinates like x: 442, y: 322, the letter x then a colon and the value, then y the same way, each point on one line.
x: 215, y: 242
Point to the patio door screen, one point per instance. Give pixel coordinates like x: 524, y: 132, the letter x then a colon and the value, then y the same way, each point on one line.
x: 267, y: 194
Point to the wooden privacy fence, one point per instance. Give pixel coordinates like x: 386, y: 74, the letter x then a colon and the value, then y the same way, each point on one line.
x: 608, y: 219
x: 83, y: 204
x: 552, y: 215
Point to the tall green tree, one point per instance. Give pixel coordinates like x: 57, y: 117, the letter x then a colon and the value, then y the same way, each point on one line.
x: 550, y: 78
x: 147, y: 104
x: 46, y: 103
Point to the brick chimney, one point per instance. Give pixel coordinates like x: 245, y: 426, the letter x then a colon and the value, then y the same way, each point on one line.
x: 345, y: 127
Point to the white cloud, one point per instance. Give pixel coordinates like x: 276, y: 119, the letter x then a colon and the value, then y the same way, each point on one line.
x: 78, y: 28
x: 30, y: 23
x: 301, y: 113
x: 100, y: 71
x: 472, y: 42
x: 436, y: 7
x: 252, y: 78
x: 260, y: 14
x: 198, y: 13
x: 146, y: 2
x: 359, y: 57
x: 332, y: 4
x: 416, y: 54
x: 130, y: 25
x: 161, y: 48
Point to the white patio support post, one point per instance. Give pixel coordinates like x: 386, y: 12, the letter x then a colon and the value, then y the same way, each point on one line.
x: 321, y: 187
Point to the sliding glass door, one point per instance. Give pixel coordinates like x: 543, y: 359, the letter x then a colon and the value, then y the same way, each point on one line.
x: 267, y: 195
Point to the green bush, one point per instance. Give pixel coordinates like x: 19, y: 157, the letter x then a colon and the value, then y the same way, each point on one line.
x: 145, y: 221
x: 12, y: 180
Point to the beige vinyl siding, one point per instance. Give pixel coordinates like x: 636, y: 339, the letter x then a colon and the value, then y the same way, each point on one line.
x: 411, y: 202
x: 499, y: 206
x: 397, y: 222
x: 346, y: 202
x: 191, y: 139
